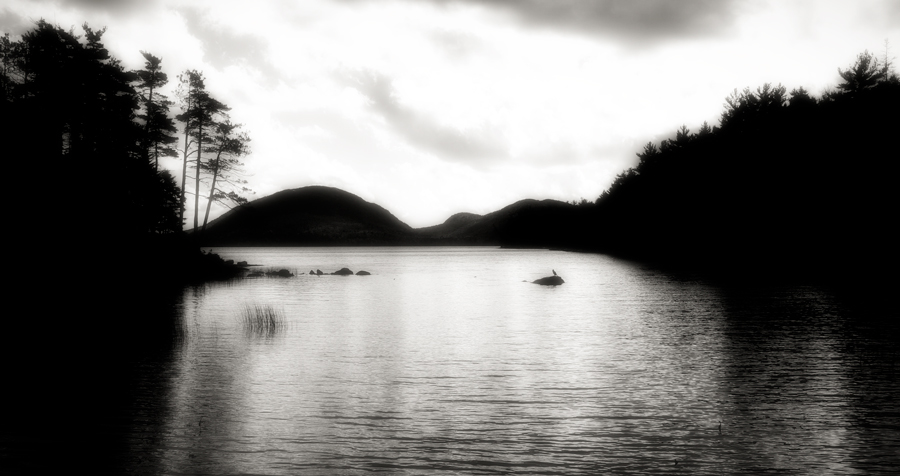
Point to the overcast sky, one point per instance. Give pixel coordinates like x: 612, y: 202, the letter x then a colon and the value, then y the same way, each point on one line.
x: 433, y: 107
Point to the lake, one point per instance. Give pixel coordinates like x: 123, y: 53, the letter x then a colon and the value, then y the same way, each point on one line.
x: 449, y: 361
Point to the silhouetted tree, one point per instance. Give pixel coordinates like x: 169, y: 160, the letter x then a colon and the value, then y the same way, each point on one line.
x: 800, y: 98
x: 746, y: 107
x: 705, y: 130
x: 621, y: 182
x: 188, y: 83
x: 228, y: 144
x: 864, y: 74
x: 682, y: 139
x: 648, y: 156
x: 200, y: 112
x: 159, y: 129
x: 74, y: 105
x: 88, y: 209
x: 168, y: 218
x: 8, y: 67
x: 799, y: 184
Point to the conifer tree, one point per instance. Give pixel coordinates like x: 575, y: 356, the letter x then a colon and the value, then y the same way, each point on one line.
x: 228, y: 144
x: 201, y: 114
x: 159, y: 129
x: 864, y: 74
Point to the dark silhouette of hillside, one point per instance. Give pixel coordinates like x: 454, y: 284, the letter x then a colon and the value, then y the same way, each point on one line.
x: 526, y: 223
x: 308, y: 216
x: 325, y: 216
x: 457, y: 227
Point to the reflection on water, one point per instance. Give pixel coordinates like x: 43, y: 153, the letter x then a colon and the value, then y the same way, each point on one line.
x: 445, y: 361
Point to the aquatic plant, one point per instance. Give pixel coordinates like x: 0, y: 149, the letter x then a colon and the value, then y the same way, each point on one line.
x: 262, y: 319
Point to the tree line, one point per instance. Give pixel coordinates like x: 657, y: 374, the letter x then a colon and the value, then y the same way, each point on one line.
x: 786, y: 180
x: 93, y: 221
x: 92, y: 134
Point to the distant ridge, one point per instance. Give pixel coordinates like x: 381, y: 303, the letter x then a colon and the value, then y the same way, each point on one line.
x: 453, y: 229
x: 526, y: 223
x: 327, y: 216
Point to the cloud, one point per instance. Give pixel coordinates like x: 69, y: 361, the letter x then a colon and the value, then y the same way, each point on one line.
x: 105, y: 4
x: 223, y: 47
x: 473, y: 146
x: 634, y: 21
x: 891, y: 16
x: 13, y: 23
x: 455, y: 44
x: 112, y: 7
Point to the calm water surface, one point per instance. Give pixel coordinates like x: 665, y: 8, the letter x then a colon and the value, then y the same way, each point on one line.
x: 444, y: 361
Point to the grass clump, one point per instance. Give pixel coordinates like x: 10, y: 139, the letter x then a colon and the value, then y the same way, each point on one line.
x: 262, y: 319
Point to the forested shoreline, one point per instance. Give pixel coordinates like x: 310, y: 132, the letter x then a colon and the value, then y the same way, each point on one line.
x: 786, y: 180
x: 91, y: 134
x: 786, y: 183
x: 97, y: 246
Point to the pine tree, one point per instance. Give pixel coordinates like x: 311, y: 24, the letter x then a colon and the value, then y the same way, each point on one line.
x: 200, y: 113
x: 159, y: 129
x: 228, y: 144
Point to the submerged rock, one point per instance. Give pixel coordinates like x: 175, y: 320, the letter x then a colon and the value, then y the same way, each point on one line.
x: 363, y: 273
x: 549, y: 281
x: 342, y: 272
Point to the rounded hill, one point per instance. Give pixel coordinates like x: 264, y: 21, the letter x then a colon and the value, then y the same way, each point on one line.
x: 306, y: 216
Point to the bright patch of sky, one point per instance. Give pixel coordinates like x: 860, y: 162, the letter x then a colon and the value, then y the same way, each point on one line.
x: 432, y: 107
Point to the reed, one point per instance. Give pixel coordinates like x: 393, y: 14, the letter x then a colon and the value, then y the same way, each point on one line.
x: 262, y: 319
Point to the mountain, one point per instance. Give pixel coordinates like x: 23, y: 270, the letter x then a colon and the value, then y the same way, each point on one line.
x: 454, y: 230
x: 526, y: 223
x: 323, y: 216
x: 307, y: 216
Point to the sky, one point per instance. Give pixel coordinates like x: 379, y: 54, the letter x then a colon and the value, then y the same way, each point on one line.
x: 434, y: 107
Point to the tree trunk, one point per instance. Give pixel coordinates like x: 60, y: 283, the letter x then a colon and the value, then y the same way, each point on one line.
x: 187, y: 130
x: 212, y: 190
x: 197, y: 179
x: 146, y: 144
x: 183, y: 175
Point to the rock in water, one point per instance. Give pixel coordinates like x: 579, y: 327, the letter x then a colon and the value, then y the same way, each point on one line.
x: 342, y: 272
x: 283, y: 273
x: 549, y: 281
x: 363, y: 273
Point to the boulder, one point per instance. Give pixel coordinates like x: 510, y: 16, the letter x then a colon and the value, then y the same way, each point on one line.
x: 342, y: 272
x: 549, y: 281
x: 318, y: 272
x: 281, y: 273
x: 312, y: 273
x: 363, y: 273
